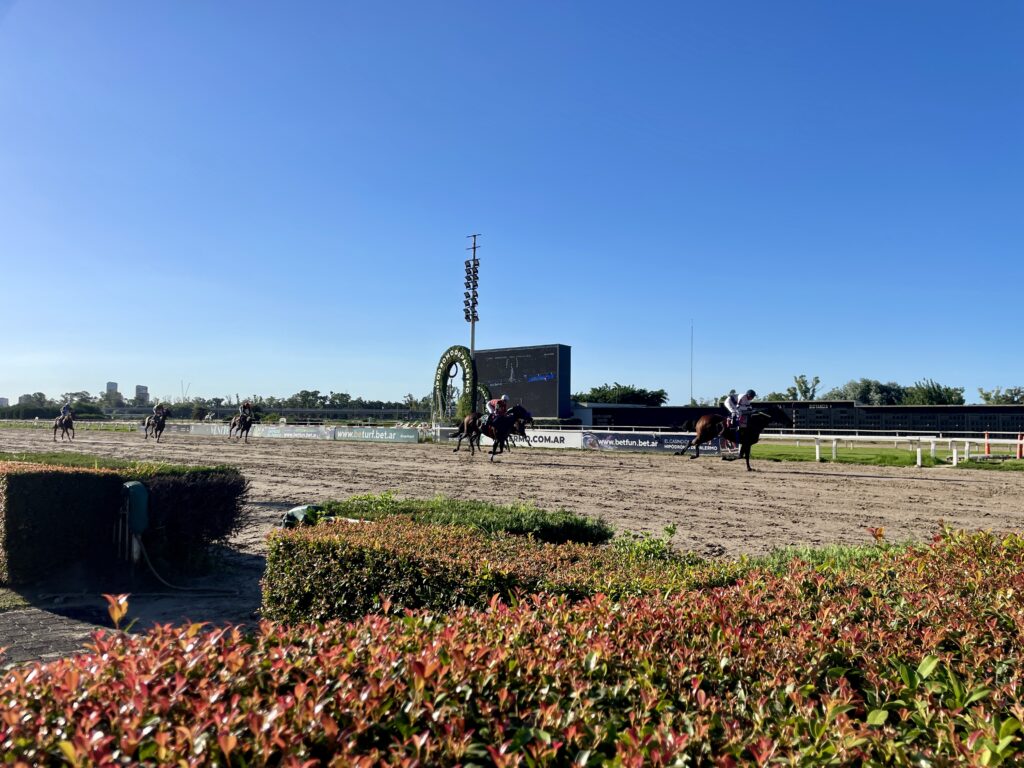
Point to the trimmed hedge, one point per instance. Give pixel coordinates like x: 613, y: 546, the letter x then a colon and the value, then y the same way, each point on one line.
x: 345, y: 570
x: 914, y: 659
x: 519, y: 519
x: 52, y: 516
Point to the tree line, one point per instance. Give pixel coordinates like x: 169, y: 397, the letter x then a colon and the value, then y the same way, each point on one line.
x: 874, y: 392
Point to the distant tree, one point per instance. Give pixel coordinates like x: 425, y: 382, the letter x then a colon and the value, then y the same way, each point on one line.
x: 705, y: 401
x: 868, y: 392
x: 803, y: 389
x: 77, y: 397
x: 199, y: 412
x: 776, y: 397
x: 625, y: 394
x: 999, y: 396
x: 929, y: 392
x: 339, y: 399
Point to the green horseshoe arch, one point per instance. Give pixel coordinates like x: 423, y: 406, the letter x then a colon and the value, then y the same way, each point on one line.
x: 457, y: 355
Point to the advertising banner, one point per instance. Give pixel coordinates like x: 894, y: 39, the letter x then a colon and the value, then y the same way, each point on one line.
x: 377, y: 434
x: 293, y: 431
x: 545, y: 438
x: 218, y: 430
x: 641, y: 441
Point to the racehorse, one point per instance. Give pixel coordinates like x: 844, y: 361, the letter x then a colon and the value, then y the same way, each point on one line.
x: 242, y: 423
x: 157, y: 424
x: 66, y: 425
x: 511, y: 424
x: 712, y: 425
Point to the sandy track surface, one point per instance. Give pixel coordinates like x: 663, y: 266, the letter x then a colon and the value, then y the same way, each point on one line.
x: 718, y: 508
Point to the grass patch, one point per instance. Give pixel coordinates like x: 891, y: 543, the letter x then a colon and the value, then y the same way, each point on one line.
x: 137, y: 470
x: 869, y: 455
x: 555, y: 527
x: 11, y: 600
x: 1010, y: 465
x: 80, y: 424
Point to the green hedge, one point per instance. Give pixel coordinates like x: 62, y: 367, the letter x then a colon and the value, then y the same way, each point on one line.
x: 344, y: 570
x: 519, y: 519
x: 53, y: 516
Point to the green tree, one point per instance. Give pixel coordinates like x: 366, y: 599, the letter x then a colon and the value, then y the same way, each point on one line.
x: 999, y: 396
x: 777, y: 397
x: 625, y: 394
x: 803, y: 389
x: 930, y: 392
x: 868, y: 392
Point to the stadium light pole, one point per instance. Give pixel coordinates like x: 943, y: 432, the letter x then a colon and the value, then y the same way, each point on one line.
x: 470, y: 303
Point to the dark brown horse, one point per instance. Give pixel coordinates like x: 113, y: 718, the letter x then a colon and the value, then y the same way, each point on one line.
x: 156, y: 424
x: 713, y: 425
x: 66, y: 425
x: 242, y: 423
x: 512, y: 424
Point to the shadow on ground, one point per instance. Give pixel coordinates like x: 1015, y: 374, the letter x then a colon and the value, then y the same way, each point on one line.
x: 67, y: 608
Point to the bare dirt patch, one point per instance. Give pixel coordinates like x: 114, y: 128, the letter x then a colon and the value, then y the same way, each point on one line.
x: 718, y: 508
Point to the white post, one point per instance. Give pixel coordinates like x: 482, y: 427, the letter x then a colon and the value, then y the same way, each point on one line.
x: 956, y: 456
x: 835, y: 443
x: 933, y: 449
x: 919, y: 456
x: 817, y: 449
x: 967, y: 450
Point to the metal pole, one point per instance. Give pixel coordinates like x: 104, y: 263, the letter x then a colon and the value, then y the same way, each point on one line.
x: 691, y: 361
x: 472, y: 277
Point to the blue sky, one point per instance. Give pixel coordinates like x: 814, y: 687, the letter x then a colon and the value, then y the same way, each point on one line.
x: 264, y: 197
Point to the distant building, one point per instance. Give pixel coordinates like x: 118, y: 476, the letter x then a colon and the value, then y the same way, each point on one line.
x: 141, y: 394
x: 25, y: 400
x: 111, y: 387
x: 4, y: 402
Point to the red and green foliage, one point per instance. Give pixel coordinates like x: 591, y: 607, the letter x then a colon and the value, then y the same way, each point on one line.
x: 344, y: 570
x: 914, y: 659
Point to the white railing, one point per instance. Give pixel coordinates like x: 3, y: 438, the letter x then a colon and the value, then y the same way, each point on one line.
x: 982, y: 446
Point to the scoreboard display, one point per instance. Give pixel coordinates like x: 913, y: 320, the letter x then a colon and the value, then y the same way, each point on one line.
x: 535, y: 377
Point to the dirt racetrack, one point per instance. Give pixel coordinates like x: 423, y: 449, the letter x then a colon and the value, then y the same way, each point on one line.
x: 718, y: 508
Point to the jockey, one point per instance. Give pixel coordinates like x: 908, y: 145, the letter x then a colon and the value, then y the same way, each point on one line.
x: 65, y: 409
x: 744, y: 407
x: 497, y: 408
x: 159, y: 410
x: 730, y: 405
x: 245, y: 409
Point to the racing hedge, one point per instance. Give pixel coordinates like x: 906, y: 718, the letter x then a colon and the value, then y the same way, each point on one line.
x: 52, y: 516
x: 555, y: 527
x: 343, y: 570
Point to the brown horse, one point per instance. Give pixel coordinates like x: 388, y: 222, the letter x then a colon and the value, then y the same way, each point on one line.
x: 156, y: 424
x: 242, y: 423
x: 712, y: 425
x: 513, y: 424
x: 66, y: 425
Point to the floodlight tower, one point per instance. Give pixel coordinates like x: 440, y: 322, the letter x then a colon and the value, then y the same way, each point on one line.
x: 469, y: 309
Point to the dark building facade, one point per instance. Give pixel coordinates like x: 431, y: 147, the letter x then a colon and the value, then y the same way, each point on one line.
x: 832, y: 416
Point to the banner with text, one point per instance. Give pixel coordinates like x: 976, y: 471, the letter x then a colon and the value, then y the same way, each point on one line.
x: 545, y: 438
x: 640, y: 441
x: 377, y: 434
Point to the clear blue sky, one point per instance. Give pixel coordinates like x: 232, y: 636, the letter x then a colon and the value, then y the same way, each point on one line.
x: 266, y: 197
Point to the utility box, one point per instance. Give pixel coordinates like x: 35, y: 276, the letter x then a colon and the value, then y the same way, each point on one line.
x: 135, y: 505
